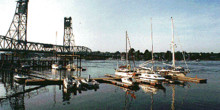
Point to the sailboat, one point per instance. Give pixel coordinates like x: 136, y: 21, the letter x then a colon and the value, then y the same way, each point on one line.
x: 56, y: 65
x: 129, y: 80
x: 125, y: 70
x: 173, y: 70
x: 148, y: 74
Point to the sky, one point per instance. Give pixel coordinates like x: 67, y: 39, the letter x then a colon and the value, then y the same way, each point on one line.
x: 101, y: 24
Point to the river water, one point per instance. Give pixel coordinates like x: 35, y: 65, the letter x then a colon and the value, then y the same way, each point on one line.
x: 110, y: 97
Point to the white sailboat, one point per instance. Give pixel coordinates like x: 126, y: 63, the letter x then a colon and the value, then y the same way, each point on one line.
x: 144, y: 67
x: 173, y: 70
x: 55, y: 65
x: 148, y: 74
x: 128, y: 80
x: 125, y: 70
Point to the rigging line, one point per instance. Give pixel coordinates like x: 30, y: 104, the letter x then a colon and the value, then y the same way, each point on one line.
x: 183, y: 53
x: 130, y: 49
x: 152, y: 52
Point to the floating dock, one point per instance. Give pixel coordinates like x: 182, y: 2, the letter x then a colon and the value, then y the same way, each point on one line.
x: 118, y: 83
x: 190, y: 79
x: 43, y: 82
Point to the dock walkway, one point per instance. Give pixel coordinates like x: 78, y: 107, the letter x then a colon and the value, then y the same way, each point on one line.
x: 190, y: 79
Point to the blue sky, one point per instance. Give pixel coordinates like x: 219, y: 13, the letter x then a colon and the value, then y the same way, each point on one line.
x: 101, y: 24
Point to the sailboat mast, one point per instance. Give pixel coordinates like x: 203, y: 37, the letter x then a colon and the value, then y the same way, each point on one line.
x: 172, y: 43
x: 56, y: 47
x: 126, y: 48
x: 152, y: 53
x: 56, y: 38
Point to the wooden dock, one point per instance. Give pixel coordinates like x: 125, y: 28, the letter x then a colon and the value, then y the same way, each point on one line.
x: 118, y: 83
x: 190, y: 79
x: 101, y: 80
x: 43, y: 82
x: 112, y: 79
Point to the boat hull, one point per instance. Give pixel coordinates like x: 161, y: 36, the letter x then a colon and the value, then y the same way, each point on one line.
x: 124, y: 74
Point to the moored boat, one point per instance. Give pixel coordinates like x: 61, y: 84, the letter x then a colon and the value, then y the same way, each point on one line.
x: 128, y: 80
x: 125, y: 70
x: 20, y: 78
x: 90, y: 82
x: 69, y: 83
x: 148, y: 74
x: 151, y: 77
x: 174, y: 70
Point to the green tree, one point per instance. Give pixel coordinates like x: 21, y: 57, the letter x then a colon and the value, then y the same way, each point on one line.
x: 168, y: 55
x: 137, y: 55
x: 178, y: 55
x: 147, y: 55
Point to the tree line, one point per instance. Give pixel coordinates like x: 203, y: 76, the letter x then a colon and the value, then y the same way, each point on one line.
x: 146, y: 55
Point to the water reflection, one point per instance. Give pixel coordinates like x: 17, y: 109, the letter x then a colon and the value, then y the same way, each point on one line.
x: 14, y: 92
x: 14, y: 95
x: 173, y: 97
x: 172, y: 86
x: 152, y: 90
x: 129, y: 97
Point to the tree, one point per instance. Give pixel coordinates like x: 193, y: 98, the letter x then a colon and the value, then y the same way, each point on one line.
x: 147, y: 55
x: 178, y: 55
x: 168, y: 55
x: 137, y: 55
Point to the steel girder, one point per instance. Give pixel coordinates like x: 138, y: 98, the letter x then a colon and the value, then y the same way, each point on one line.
x: 16, y: 37
x: 9, y: 44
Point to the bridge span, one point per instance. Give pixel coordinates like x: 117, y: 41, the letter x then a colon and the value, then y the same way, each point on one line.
x: 15, y: 39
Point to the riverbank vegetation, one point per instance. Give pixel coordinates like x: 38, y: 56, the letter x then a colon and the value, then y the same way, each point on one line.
x: 146, y: 55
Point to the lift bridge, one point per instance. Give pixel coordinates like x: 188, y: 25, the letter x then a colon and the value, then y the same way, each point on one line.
x: 15, y: 39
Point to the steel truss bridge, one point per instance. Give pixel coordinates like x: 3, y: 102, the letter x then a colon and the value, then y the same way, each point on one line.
x: 10, y: 44
x: 16, y: 38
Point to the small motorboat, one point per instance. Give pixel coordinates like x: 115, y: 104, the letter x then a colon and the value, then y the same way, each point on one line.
x: 69, y: 83
x: 90, y: 82
x: 20, y: 78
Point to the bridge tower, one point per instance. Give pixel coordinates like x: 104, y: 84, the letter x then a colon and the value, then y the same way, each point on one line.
x: 68, y: 38
x: 18, y: 27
